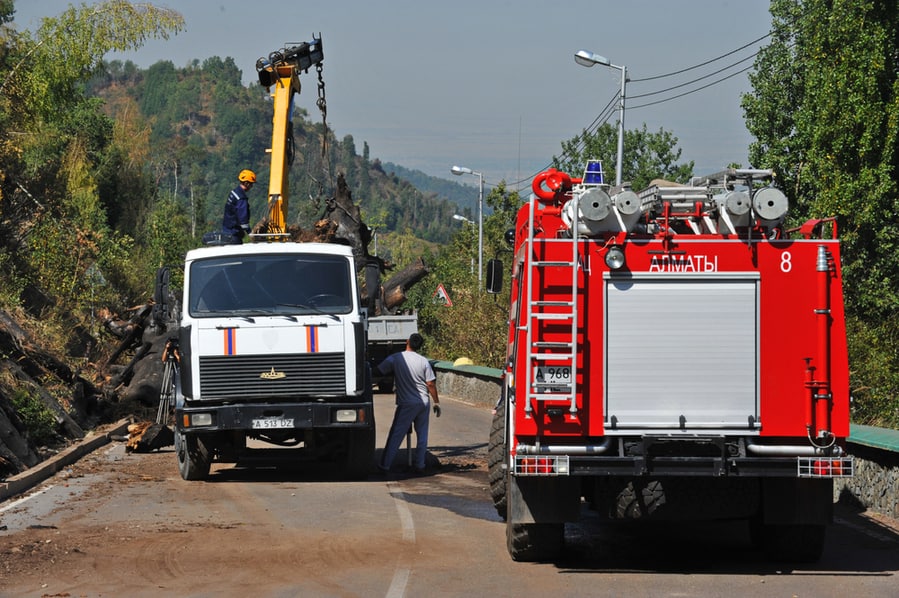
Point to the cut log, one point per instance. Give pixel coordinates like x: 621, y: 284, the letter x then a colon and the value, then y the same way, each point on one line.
x: 145, y: 437
x: 396, y: 286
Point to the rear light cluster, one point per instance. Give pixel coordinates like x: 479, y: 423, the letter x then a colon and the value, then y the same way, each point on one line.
x: 825, y: 467
x: 546, y: 465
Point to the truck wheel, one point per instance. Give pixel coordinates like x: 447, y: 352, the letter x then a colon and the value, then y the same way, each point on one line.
x: 628, y: 504
x: 496, y: 457
x: 193, y: 457
x: 360, y: 454
x: 653, y: 494
x: 790, y: 543
x: 535, y: 541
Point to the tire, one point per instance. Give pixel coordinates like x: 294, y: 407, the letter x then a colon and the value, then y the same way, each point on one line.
x: 531, y: 542
x: 793, y: 543
x: 653, y: 495
x: 360, y: 454
x: 628, y: 504
x: 496, y: 459
x: 193, y: 456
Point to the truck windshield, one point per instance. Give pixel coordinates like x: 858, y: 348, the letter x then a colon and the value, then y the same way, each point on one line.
x: 261, y: 285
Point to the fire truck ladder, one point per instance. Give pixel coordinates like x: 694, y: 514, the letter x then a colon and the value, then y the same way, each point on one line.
x: 556, y: 382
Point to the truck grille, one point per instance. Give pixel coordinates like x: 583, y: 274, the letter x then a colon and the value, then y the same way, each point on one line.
x: 264, y: 376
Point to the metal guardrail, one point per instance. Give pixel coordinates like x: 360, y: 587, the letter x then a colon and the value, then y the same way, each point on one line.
x: 879, y: 438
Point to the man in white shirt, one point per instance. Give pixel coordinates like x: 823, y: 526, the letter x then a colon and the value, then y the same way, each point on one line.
x: 416, y: 387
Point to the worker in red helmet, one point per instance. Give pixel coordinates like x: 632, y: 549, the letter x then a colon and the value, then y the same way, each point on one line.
x: 236, y: 222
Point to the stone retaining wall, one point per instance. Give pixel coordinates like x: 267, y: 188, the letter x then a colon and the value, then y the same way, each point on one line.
x: 875, y: 485
x: 473, y: 384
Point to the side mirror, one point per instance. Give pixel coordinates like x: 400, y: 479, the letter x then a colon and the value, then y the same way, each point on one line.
x: 494, y: 276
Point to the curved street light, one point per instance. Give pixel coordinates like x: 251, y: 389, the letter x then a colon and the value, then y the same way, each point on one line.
x: 586, y: 58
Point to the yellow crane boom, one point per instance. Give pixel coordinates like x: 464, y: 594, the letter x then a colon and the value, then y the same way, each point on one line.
x: 281, y: 71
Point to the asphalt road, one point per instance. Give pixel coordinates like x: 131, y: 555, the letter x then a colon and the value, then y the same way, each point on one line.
x: 127, y: 525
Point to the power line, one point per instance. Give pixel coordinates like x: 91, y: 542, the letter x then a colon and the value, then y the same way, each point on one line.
x: 712, y: 74
x: 690, y: 68
x: 606, y: 113
x: 686, y: 93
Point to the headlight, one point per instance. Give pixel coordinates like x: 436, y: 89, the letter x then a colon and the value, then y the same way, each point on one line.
x: 201, y: 419
x: 615, y: 257
x: 345, y: 416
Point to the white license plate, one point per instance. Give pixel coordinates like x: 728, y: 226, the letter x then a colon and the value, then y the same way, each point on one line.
x: 557, y: 377
x: 271, y: 423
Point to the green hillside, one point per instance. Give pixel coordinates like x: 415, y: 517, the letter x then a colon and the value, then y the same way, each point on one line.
x: 194, y: 128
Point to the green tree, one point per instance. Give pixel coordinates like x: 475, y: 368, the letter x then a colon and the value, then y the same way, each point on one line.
x: 69, y: 48
x: 824, y: 111
x: 7, y: 10
x: 57, y: 152
x: 480, y: 333
x: 647, y: 155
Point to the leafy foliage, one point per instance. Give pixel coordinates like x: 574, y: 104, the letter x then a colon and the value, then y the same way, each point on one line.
x: 40, y: 421
x: 476, y: 324
x: 62, y: 165
x: 825, y: 114
x: 647, y: 155
x: 872, y: 349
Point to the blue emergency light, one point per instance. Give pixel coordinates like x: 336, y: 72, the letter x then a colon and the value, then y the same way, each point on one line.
x: 593, y: 173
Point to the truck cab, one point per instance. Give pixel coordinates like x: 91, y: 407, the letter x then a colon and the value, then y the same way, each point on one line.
x: 272, y: 339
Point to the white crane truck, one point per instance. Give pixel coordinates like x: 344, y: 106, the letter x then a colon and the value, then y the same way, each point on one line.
x: 272, y: 336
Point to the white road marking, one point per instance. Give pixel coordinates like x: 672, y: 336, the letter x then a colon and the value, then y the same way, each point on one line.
x: 16, y: 503
x: 402, y: 573
x: 404, y: 512
x: 397, y: 587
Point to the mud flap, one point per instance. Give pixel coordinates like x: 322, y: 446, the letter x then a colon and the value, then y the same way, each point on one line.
x: 543, y: 500
x: 797, y: 501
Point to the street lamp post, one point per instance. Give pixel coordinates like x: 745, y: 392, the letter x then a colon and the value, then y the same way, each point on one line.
x: 459, y: 171
x: 585, y: 58
x: 462, y: 218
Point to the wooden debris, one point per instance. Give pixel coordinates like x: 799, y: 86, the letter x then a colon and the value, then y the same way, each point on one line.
x: 144, y: 437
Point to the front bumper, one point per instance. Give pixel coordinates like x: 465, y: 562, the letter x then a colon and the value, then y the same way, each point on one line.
x: 253, y: 416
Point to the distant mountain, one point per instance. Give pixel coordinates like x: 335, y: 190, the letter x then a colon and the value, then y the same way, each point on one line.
x: 461, y: 195
x: 194, y: 128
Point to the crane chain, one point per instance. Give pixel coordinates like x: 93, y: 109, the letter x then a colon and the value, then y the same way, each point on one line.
x: 322, y: 104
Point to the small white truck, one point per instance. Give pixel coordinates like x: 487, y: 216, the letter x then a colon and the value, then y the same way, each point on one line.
x: 388, y: 334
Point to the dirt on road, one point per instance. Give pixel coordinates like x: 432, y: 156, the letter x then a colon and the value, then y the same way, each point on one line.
x: 168, y: 543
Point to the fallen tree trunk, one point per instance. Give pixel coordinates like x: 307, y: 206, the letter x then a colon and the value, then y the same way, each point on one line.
x: 16, y: 455
x: 71, y: 428
x: 132, y: 332
x: 31, y: 352
x: 396, y: 286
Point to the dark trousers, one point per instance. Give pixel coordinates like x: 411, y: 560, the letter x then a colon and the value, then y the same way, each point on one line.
x: 413, y: 414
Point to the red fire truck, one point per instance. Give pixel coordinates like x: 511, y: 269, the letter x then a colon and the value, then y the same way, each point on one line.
x: 675, y: 353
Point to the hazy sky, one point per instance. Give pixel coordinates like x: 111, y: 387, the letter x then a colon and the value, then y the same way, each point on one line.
x: 487, y: 84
